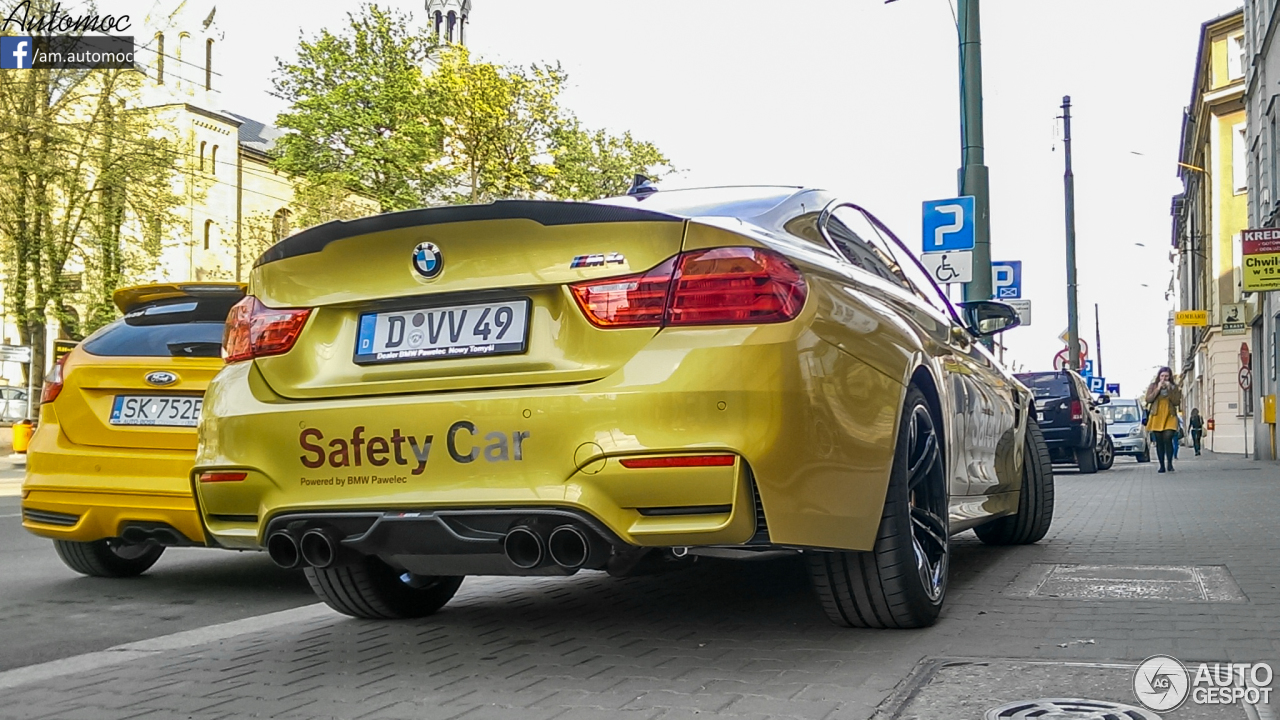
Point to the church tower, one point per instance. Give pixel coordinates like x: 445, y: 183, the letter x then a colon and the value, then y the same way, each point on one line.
x: 448, y: 19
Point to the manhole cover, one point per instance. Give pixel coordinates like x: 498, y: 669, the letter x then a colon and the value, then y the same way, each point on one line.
x: 1069, y: 709
x: 1173, y: 583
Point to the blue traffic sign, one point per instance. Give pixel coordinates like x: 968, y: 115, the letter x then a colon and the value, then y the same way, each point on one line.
x: 948, y: 225
x: 1006, y: 279
x: 1087, y: 369
x: 1097, y: 384
x: 1113, y: 388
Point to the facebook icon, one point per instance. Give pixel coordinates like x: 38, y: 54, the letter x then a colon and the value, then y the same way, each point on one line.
x: 15, y: 53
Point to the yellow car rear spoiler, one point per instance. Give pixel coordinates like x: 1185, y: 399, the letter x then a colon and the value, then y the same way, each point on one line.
x: 131, y: 298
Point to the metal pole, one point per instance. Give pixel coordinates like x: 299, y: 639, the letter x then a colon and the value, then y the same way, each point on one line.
x: 31, y: 385
x: 973, y: 173
x: 1069, y: 182
x: 1097, y: 341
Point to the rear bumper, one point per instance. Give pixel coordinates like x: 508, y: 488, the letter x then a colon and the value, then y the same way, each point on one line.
x: 81, y: 493
x: 1066, y: 438
x: 812, y: 462
x: 1129, y: 445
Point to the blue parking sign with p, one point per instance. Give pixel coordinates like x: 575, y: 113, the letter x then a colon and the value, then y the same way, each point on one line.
x: 948, y: 225
x: 1006, y: 279
x: 1097, y: 384
x: 16, y: 53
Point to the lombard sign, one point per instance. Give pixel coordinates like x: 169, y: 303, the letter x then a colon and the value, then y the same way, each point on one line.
x: 1261, y: 259
x: 1191, y: 318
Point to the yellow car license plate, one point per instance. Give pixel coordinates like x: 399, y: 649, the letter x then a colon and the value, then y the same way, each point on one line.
x: 456, y: 331
x: 166, y: 410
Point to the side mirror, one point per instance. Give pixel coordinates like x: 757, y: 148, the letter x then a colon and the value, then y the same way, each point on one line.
x: 1104, y: 399
x: 989, y: 317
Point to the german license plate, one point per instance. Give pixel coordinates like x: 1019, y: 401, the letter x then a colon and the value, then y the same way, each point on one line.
x: 442, y: 333
x: 165, y: 410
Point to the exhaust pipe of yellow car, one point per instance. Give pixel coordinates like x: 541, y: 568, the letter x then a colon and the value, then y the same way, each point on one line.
x: 318, y: 548
x: 569, y: 547
x: 283, y: 550
x: 523, y: 546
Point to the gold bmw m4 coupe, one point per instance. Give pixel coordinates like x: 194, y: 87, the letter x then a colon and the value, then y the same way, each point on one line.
x: 539, y: 388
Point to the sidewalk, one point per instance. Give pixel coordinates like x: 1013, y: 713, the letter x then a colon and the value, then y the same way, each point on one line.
x: 747, y: 640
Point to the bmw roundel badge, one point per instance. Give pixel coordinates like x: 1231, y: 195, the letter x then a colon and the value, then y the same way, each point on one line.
x: 427, y: 261
x: 161, y: 378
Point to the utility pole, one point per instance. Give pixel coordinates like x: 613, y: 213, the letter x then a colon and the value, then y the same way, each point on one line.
x: 1097, y: 340
x: 1069, y: 183
x: 973, y: 171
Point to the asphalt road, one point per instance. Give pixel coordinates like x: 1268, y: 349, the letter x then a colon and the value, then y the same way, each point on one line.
x: 48, y: 612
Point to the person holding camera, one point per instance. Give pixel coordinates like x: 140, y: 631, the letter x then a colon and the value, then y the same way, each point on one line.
x: 1163, y: 399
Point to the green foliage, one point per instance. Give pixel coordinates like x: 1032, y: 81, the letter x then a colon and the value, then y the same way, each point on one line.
x: 80, y: 175
x: 358, y: 112
x: 594, y: 164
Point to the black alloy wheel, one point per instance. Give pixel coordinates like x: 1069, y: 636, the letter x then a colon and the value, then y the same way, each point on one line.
x: 926, y: 483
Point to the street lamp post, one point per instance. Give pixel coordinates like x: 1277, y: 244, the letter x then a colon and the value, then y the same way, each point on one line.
x: 973, y: 171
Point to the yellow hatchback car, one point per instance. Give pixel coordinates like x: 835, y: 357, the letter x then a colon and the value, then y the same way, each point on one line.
x: 539, y: 388
x: 108, y: 469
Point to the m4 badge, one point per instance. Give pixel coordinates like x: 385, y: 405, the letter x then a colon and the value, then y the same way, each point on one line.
x: 584, y: 261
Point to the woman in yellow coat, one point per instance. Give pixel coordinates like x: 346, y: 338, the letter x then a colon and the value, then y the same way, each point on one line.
x: 1163, y: 399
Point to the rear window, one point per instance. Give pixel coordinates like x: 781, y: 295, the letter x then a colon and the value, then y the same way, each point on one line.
x: 1047, y: 385
x: 178, y: 328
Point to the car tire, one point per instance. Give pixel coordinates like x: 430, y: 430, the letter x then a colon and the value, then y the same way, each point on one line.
x: 886, y: 587
x: 1087, y: 459
x: 1145, y: 455
x: 374, y: 590
x: 111, y: 558
x: 1107, y: 456
x: 1035, y: 504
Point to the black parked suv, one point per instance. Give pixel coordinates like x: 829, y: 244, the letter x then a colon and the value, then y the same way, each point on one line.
x: 1073, y: 426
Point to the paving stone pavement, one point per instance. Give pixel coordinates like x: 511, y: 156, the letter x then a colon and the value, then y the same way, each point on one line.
x: 732, y: 640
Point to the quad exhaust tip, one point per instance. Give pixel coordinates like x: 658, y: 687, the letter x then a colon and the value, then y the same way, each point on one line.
x: 523, y: 547
x: 569, y: 547
x: 317, y: 548
x: 283, y: 550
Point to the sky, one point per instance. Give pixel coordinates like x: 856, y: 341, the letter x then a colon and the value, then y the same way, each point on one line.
x: 862, y: 98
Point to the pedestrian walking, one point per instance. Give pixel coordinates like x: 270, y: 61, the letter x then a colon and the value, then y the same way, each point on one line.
x: 1178, y: 434
x: 1163, y: 398
x: 1196, y: 424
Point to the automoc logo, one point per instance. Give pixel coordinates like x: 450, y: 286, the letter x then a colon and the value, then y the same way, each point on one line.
x: 16, y: 53
x: 427, y: 260
x: 1161, y: 683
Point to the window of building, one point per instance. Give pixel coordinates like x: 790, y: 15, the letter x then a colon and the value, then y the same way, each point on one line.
x: 208, y: 233
x: 208, y: 64
x: 213, y: 161
x: 159, y: 58
x: 280, y: 225
x: 182, y: 45
x: 202, y: 156
x: 1237, y: 57
x: 453, y: 21
x: 439, y: 24
x: 1239, y: 160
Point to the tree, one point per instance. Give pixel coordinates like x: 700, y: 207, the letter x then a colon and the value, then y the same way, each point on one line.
x: 79, y: 173
x: 593, y: 164
x: 358, y: 113
x: 499, y: 124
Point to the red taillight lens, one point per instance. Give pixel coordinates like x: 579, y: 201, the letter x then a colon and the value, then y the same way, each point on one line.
x: 53, y: 381
x: 732, y: 286
x: 217, y: 477
x: 255, y: 330
x: 629, y: 301
x: 720, y: 286
x: 678, y: 461
x: 1077, y: 410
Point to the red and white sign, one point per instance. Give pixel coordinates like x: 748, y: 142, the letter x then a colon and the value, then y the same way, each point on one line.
x: 1258, y: 242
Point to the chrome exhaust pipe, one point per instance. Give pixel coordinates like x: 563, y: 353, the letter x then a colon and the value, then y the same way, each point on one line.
x: 523, y: 547
x: 569, y: 547
x: 318, y: 548
x: 283, y: 550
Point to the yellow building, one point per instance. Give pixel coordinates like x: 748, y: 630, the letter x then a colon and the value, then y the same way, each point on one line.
x: 1209, y: 215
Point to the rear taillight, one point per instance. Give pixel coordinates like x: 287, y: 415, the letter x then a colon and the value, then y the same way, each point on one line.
x: 53, y: 381
x: 255, y: 330
x: 720, y: 286
x: 1077, y: 410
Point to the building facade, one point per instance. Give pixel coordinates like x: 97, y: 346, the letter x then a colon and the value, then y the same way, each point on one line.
x: 1262, y: 99
x: 1208, y: 217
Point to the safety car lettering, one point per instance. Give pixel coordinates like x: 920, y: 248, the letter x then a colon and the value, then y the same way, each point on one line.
x: 409, y: 450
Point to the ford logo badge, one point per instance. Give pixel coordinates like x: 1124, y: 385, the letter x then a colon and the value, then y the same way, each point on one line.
x: 161, y: 378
